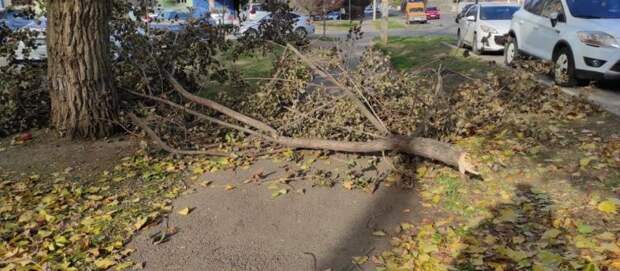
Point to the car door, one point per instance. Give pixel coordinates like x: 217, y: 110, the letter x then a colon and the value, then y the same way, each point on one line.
x: 547, y: 34
x: 469, y: 26
x: 528, y: 24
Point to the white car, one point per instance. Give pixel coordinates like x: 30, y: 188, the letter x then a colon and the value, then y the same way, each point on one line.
x: 485, y: 26
x: 581, y: 37
x: 38, y: 50
x: 255, y: 12
x: 302, y: 26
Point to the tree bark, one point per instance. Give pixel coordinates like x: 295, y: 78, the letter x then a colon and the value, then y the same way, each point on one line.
x: 83, y: 98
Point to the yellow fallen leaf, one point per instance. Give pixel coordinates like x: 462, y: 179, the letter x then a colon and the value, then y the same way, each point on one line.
x: 584, y: 162
x: 608, y: 207
x: 230, y: 187
x: 184, y: 211
x: 104, y: 263
x: 348, y: 185
x: 140, y: 223
x: 379, y: 233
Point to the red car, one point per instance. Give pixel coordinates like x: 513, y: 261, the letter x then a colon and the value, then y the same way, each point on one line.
x: 432, y: 13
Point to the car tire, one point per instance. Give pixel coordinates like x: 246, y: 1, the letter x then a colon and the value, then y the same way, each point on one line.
x: 564, y: 68
x: 301, y: 33
x: 474, y: 45
x: 251, y: 34
x: 511, y: 51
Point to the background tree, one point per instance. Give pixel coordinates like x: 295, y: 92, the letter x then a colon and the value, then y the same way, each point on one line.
x: 84, y: 101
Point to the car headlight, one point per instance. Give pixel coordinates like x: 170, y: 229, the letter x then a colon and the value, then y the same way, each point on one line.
x: 488, y: 29
x: 597, y: 39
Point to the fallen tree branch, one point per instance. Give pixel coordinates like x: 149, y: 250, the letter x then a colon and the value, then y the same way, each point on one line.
x: 220, y: 108
x: 157, y: 140
x: 360, y: 105
x: 199, y: 115
x: 424, y: 147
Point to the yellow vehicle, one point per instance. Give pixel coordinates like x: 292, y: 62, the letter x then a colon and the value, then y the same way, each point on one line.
x: 415, y: 11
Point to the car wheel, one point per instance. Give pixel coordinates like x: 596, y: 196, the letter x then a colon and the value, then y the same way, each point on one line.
x: 301, y: 32
x: 251, y: 33
x: 564, y: 68
x: 511, y: 51
x: 474, y: 45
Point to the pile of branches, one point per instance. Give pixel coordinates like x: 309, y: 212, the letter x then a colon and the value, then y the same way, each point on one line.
x: 313, y: 101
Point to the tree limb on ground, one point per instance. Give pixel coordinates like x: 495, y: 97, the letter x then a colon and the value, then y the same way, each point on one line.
x: 157, y: 140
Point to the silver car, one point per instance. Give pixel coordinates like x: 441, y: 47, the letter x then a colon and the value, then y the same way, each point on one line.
x: 302, y: 26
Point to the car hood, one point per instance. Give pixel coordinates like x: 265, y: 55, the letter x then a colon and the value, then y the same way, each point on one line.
x: 502, y: 26
x: 610, y: 26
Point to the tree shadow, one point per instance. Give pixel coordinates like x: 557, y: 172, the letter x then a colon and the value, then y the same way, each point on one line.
x: 518, y: 236
x: 366, y: 236
x: 369, y: 235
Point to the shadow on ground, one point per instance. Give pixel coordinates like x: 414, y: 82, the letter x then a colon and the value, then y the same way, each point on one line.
x: 245, y: 229
x: 519, y: 236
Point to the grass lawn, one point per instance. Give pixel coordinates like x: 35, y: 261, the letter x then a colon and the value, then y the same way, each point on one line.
x: 339, y: 24
x: 254, y: 65
x: 409, y: 53
x: 393, y: 23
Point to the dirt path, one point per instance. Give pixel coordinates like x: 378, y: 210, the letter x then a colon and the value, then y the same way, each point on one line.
x: 245, y: 229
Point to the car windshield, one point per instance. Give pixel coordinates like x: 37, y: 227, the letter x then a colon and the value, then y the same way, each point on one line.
x: 176, y: 16
x: 431, y: 9
x: 497, y: 13
x: 465, y: 8
x: 595, y: 9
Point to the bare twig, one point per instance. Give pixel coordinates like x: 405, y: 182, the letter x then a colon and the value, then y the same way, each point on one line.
x: 369, y: 115
x: 220, y: 108
x: 140, y: 123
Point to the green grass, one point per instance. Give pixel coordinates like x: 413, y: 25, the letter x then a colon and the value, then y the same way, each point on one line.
x: 393, y: 23
x: 409, y: 53
x: 336, y: 24
x: 251, y: 65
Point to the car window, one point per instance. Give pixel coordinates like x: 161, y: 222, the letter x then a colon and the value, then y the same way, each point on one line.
x: 534, y: 6
x: 473, y: 11
x: 498, y: 12
x: 552, y: 6
x: 594, y: 9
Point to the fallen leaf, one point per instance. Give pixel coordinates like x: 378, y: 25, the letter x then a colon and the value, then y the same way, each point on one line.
x: 184, y: 211
x: 140, y: 223
x: 104, y: 263
x: 608, y: 207
x: 379, y: 233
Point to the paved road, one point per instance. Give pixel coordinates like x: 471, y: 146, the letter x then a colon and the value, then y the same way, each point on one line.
x: 444, y: 26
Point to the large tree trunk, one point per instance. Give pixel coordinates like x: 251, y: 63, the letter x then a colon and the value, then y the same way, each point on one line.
x: 84, y: 101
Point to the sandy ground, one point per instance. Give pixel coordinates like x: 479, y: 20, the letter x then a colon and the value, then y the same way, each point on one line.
x: 47, y: 153
x: 245, y: 229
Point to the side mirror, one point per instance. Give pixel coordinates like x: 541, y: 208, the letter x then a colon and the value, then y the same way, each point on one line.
x: 471, y: 18
x: 556, y: 17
